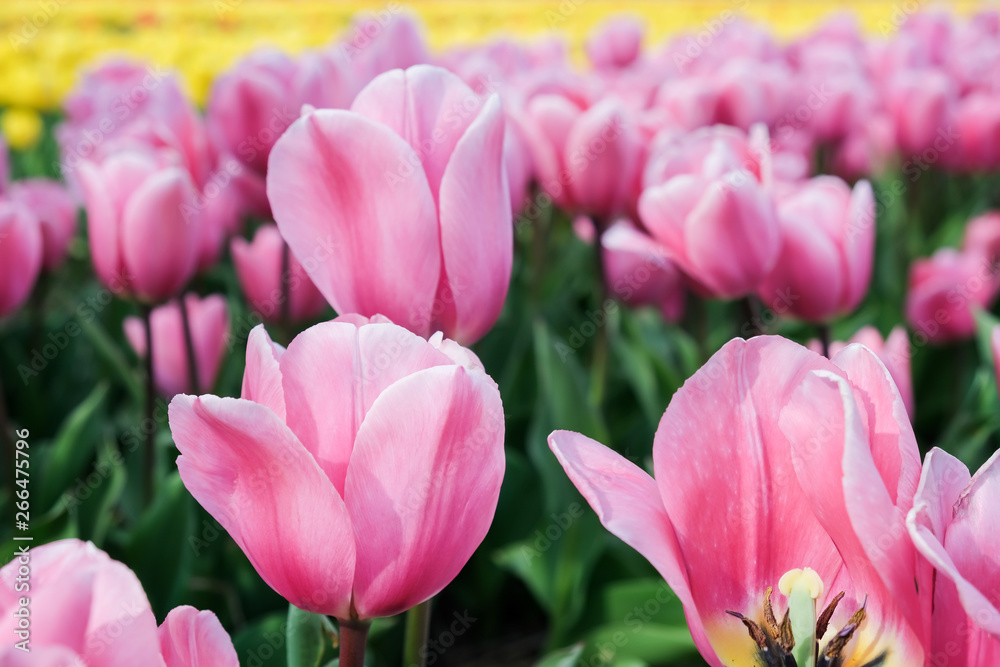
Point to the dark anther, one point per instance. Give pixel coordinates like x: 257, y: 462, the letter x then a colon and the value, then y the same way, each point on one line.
x: 786, y: 640
x: 823, y: 622
x: 758, y: 635
x: 769, y: 619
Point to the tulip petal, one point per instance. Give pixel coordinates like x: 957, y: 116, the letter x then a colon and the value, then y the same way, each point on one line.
x: 602, y: 159
x: 192, y: 638
x: 423, y: 485
x: 21, y: 256
x: 331, y: 375
x: 247, y: 469
x: 859, y: 244
x: 347, y: 198
x: 262, y: 377
x: 477, y: 237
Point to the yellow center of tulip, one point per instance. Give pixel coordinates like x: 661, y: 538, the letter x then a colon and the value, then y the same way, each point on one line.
x: 802, y: 638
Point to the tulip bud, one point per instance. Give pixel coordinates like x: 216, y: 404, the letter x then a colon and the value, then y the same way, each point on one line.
x: 21, y: 248
x: 56, y: 211
x: 945, y: 289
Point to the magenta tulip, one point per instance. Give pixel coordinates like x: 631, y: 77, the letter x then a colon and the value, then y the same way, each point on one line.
x: 982, y: 236
x: 140, y: 240
x: 782, y: 482
x: 209, y: 320
x: 922, y: 107
x: 827, y: 250
x: 55, y: 209
x: 639, y: 271
x: 616, y: 42
x: 261, y: 274
x: 944, y: 291
x: 86, y: 610
x: 409, y: 193
x: 953, y: 523
x: 387, y: 450
x: 977, y: 126
x: 707, y: 202
x: 21, y: 255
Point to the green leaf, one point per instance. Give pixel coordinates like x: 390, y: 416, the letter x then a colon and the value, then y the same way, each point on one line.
x: 647, y: 600
x: 262, y: 643
x: 306, y: 639
x: 93, y: 498
x: 566, y: 657
x: 652, y: 643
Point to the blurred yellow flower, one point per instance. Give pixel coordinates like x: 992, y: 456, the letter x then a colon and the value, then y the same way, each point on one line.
x: 22, y: 127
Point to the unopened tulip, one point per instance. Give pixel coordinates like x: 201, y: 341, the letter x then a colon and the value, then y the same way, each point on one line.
x: 639, y: 271
x: 407, y: 197
x: 84, y: 609
x: 21, y: 254
x: 387, y: 449
x: 782, y: 483
x: 259, y: 266
x: 55, y: 209
x: 977, y: 126
x: 587, y: 160
x: 706, y: 201
x: 982, y: 236
x: 616, y: 42
x: 921, y: 104
x: 953, y: 524
x: 381, y: 41
x: 209, y: 320
x: 944, y: 291
x: 141, y: 241
x: 827, y: 250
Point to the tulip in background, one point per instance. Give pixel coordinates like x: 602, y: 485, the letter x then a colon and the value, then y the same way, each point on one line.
x: 954, y: 525
x: 616, y: 42
x: 21, y: 255
x: 85, y: 609
x: 264, y: 266
x: 782, y: 481
x: 385, y: 447
x: 409, y: 189
x: 827, y: 249
x: 172, y: 369
x: 56, y: 211
x: 707, y: 201
x: 140, y: 241
x: 944, y: 290
x: 639, y: 271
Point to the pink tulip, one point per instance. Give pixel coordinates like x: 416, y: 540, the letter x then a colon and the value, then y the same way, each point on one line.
x: 587, y: 160
x: 406, y: 198
x: 387, y: 449
x: 385, y: 40
x: 893, y: 352
x: 55, y: 209
x: 982, y: 236
x: 616, y: 42
x: 261, y: 274
x: 209, y: 320
x: 945, y: 289
x: 995, y: 347
x: 977, y: 122
x: 752, y: 92
x: 141, y: 240
x: 778, y: 474
x: 953, y: 525
x: 706, y: 201
x: 21, y: 254
x: 87, y: 610
x: 827, y: 250
x: 325, y: 79
x: 638, y: 271
x: 921, y: 104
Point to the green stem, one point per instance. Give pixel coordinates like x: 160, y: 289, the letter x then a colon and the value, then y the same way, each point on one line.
x: 599, y: 367
x: 418, y: 625
x: 149, y: 461
x: 353, y: 638
x: 192, y: 363
x: 6, y: 441
x: 824, y: 338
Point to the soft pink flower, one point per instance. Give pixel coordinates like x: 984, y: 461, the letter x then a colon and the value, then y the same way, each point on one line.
x: 982, y: 236
x: 403, y: 201
x: 21, y: 254
x: 827, y: 250
x: 87, y: 610
x: 707, y: 201
x: 142, y: 241
x: 944, y: 290
x: 209, y: 320
x: 387, y: 449
x: 55, y: 209
x: 769, y: 460
x: 921, y: 103
x: 616, y: 42
x: 953, y: 523
x: 977, y: 126
x: 639, y: 271
x: 261, y: 274
x: 385, y: 40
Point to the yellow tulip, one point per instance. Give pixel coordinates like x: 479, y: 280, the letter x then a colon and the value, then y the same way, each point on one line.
x: 22, y: 127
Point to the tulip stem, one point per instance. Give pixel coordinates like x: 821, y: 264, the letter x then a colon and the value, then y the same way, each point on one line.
x: 353, y: 637
x: 149, y: 462
x: 418, y: 625
x: 6, y: 441
x: 824, y: 338
x: 192, y: 363
x: 599, y: 367
x: 286, y: 288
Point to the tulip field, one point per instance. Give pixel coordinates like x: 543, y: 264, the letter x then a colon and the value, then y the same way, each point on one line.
x: 573, y: 333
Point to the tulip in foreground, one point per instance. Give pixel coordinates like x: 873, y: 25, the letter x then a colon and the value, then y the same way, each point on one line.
x: 409, y: 188
x: 359, y: 470
x: 209, y: 318
x: 777, y: 513
x: 86, y: 610
x: 953, y: 523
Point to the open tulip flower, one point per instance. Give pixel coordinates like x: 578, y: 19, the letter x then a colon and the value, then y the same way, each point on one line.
x: 409, y: 188
x: 954, y: 524
x: 777, y: 513
x: 87, y: 610
x: 359, y: 470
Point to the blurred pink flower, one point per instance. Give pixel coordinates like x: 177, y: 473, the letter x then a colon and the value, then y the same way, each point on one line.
x: 21, y: 255
x: 616, y: 42
x: 944, y: 290
x: 56, y: 211
x: 639, y: 271
x: 387, y: 448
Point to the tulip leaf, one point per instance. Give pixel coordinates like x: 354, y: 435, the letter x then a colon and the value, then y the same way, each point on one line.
x: 94, y: 495
x: 636, y: 601
x: 566, y: 657
x: 306, y: 638
x: 622, y: 644
x: 262, y: 643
